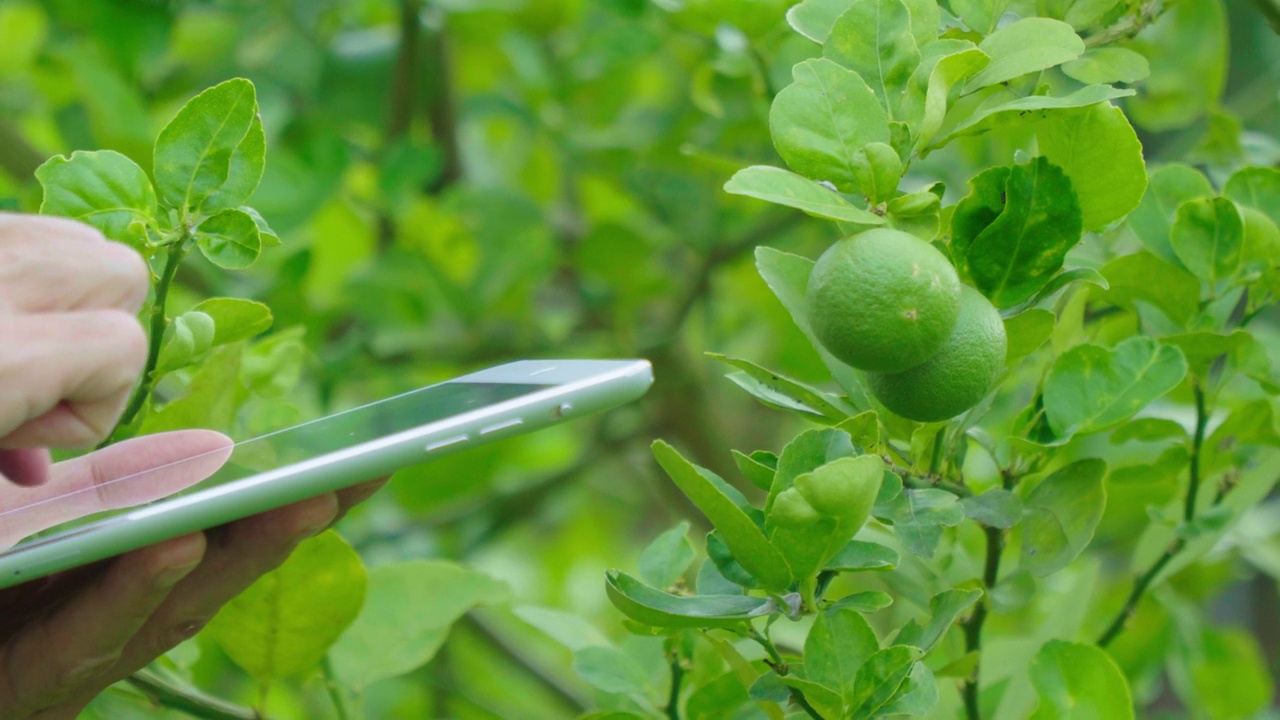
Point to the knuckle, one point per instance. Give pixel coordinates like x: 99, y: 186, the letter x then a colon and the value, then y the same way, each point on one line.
x: 77, y: 673
x: 128, y: 272
x: 131, y: 339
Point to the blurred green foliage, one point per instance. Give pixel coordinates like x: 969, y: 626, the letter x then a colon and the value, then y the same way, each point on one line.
x: 456, y: 183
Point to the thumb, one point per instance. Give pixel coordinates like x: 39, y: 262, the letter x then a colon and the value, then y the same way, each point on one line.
x: 25, y: 466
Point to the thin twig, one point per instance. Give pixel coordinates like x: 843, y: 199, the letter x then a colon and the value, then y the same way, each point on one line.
x: 973, y: 626
x: 341, y: 701
x: 1202, y: 420
x: 156, y: 326
x: 1129, y: 25
x: 1144, y: 580
x: 559, y: 689
x: 677, y: 677
x: 188, y: 699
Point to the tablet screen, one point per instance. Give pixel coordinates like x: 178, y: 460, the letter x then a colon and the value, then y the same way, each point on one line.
x: 48, y: 511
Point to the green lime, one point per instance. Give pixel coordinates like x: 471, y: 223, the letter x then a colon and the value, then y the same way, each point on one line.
x: 958, y: 375
x: 883, y: 300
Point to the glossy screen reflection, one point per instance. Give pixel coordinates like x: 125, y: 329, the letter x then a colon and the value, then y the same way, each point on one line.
x: 209, y: 460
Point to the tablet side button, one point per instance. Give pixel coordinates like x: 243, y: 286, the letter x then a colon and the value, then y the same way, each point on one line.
x: 499, y: 427
x: 447, y: 442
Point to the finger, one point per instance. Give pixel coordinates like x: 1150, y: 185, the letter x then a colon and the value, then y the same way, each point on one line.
x: 57, y: 658
x: 129, y: 473
x: 50, y: 264
x: 25, y: 466
x: 65, y: 377
x: 352, y: 496
x: 237, y: 556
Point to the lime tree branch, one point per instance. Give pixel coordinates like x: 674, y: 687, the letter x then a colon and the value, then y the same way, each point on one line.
x: 779, y: 666
x: 155, y: 331
x: 973, y: 626
x: 1144, y: 581
x: 1130, y: 25
x: 677, y: 677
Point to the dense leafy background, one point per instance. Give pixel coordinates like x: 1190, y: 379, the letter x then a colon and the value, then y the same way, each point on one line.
x: 461, y: 182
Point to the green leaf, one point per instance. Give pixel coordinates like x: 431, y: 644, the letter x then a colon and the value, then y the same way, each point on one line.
x: 839, y: 642
x: 980, y: 15
x: 1059, y: 281
x: 104, y: 189
x: 944, y: 609
x: 211, y: 399
x: 1026, y: 332
x: 1011, y: 233
x: 863, y: 602
x: 1100, y: 153
x: 1187, y: 49
x: 188, y: 337
x: 996, y: 507
x: 787, y: 276
x: 236, y: 319
x: 229, y: 240
x: 711, y: 700
x: 874, y: 39
x: 1003, y: 105
x: 947, y: 72
x: 193, y: 152
x: 741, y: 534
x: 1026, y: 46
x: 1208, y: 236
x: 407, y: 617
x: 727, y: 566
x: 1257, y: 188
x: 858, y: 555
x: 1090, y: 388
x: 815, y: 18
x: 653, y: 607
x: 1149, y: 430
x: 272, y: 365
x: 877, y: 170
x: 918, y: 517
x: 807, y: 452
x: 758, y: 467
x: 1061, y: 515
x: 1168, y: 188
x: 916, y: 696
x: 611, y: 671
x: 269, y: 237
x: 779, y: 391
x: 916, y: 213
x: 668, y: 557
x: 1202, y: 348
x: 244, y: 172
x: 823, y: 118
x: 1105, y: 65
x: 782, y: 187
x: 1226, y: 672
x: 880, y: 677
x: 1177, y: 295
x: 1075, y: 681
x: 824, y: 700
x: 567, y: 628
x: 282, y: 626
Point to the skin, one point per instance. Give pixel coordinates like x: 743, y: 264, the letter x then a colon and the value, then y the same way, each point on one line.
x: 71, y: 350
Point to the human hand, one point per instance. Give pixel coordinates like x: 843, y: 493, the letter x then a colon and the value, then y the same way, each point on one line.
x: 65, y: 638
x: 71, y: 347
x: 71, y: 351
